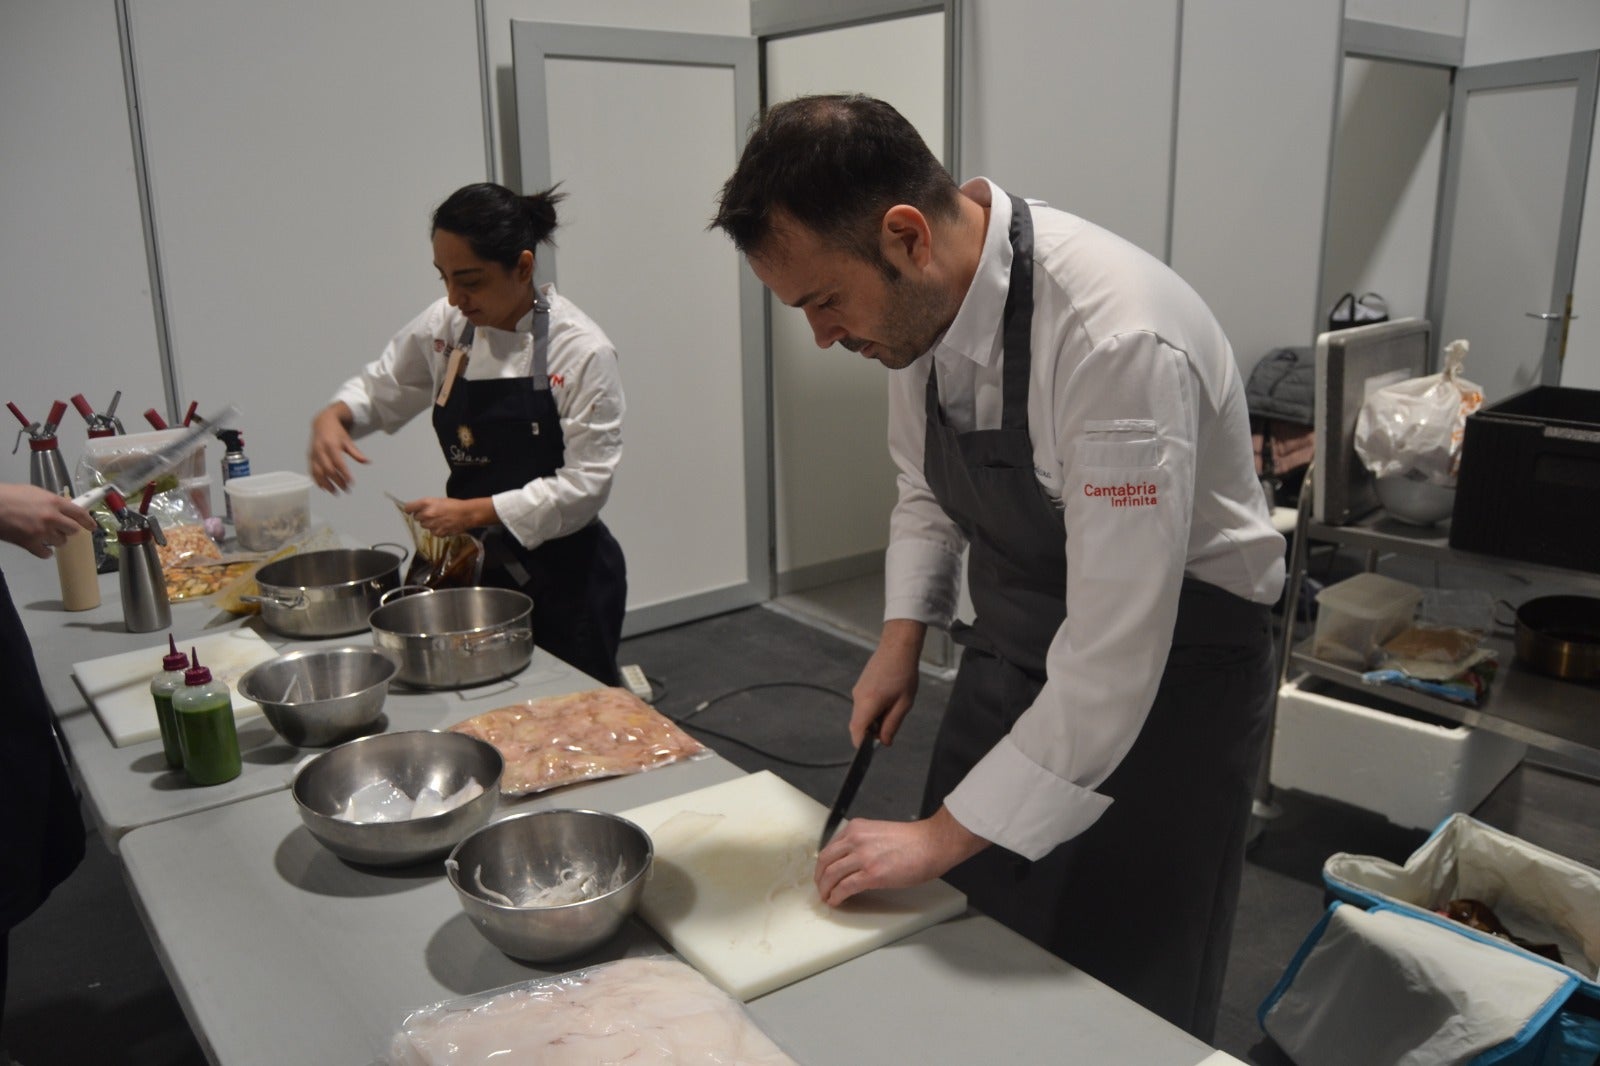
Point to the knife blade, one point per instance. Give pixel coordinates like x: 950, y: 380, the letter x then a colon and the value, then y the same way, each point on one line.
x: 852, y: 784
x: 130, y: 479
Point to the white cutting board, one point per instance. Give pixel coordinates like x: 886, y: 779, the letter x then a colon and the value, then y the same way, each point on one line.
x: 731, y: 890
x: 118, y: 686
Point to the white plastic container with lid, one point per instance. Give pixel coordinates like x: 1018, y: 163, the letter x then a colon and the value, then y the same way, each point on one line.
x: 270, y: 509
x: 1356, y: 616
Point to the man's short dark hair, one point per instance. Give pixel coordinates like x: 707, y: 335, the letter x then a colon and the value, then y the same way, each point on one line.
x: 834, y: 164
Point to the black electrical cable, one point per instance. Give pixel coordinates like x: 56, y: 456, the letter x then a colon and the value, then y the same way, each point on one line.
x: 801, y: 763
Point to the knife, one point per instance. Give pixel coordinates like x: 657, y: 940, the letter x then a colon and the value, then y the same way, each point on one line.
x: 852, y: 784
x: 130, y: 479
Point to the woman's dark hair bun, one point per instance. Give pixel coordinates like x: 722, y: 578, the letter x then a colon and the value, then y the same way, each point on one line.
x: 499, y: 224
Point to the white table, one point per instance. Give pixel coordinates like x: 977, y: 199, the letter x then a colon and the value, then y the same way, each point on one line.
x: 281, y: 952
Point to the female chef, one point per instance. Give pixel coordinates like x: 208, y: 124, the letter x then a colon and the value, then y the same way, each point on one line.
x: 527, y: 404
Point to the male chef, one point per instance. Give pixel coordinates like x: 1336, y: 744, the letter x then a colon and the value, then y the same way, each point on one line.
x: 1066, y: 410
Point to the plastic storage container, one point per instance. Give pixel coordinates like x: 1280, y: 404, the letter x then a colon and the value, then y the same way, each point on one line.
x: 1530, y: 465
x: 1357, y: 615
x: 269, y: 510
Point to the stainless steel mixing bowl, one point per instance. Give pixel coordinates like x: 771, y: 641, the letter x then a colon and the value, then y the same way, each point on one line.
x: 320, y: 696
x: 528, y: 852
x: 411, y: 761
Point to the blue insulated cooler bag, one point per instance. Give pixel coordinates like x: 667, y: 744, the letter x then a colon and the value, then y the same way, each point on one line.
x: 1384, y: 978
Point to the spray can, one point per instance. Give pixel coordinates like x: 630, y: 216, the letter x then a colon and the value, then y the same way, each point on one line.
x: 235, y: 463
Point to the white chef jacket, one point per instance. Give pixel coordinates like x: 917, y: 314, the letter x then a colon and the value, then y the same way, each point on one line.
x: 402, y: 382
x: 1136, y: 413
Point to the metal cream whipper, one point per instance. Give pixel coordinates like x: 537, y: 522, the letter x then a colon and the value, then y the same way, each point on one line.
x: 46, y: 469
x: 139, y: 576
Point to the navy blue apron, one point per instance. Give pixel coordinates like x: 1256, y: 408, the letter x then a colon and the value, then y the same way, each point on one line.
x: 1144, y: 899
x: 498, y: 434
x: 44, y: 834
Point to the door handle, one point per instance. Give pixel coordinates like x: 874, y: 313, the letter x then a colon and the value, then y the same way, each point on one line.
x: 1548, y: 316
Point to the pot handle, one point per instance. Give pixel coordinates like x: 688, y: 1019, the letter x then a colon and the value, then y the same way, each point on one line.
x: 1508, y: 605
x: 404, y: 590
x: 472, y: 645
x: 294, y: 603
x: 404, y: 551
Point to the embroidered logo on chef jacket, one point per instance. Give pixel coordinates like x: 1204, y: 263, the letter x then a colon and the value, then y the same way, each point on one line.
x: 438, y: 346
x: 557, y: 380
x: 1126, y: 494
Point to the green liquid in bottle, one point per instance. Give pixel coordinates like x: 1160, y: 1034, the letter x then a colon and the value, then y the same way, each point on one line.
x: 167, y: 719
x: 204, y: 710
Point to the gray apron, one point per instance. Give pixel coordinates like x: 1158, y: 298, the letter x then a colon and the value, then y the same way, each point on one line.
x: 1144, y: 899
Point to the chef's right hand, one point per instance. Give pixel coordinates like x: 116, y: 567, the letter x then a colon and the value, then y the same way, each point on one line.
x: 888, y: 683
x: 330, y: 443
x: 38, y: 520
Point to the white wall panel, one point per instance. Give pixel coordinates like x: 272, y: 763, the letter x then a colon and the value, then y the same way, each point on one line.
x: 296, y: 152
x: 74, y: 284
x: 1447, y: 17
x: 1255, y: 118
x: 834, y: 478
x: 1504, y: 30
x: 1072, y: 103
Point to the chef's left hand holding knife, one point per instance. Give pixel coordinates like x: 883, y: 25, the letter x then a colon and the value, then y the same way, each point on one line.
x: 866, y: 854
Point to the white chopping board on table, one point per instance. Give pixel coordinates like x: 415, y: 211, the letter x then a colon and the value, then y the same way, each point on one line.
x: 731, y: 889
x: 118, y: 686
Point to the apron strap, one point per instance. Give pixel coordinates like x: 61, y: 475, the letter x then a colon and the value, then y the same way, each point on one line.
x: 1018, y: 320
x: 1016, y: 326
x: 541, y: 344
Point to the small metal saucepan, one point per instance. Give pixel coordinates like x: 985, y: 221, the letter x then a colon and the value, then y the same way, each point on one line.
x: 453, y: 638
x: 326, y: 593
x: 1560, y: 636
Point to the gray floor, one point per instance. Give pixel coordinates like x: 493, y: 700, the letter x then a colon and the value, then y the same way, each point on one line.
x: 86, y: 985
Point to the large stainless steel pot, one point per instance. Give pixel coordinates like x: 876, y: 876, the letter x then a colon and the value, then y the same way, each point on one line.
x: 1560, y: 636
x: 452, y: 638
x: 326, y: 593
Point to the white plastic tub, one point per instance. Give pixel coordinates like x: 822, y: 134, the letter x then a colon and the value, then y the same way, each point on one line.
x: 270, y: 509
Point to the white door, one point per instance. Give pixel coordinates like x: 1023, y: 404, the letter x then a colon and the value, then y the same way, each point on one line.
x: 642, y: 128
x: 1510, y: 209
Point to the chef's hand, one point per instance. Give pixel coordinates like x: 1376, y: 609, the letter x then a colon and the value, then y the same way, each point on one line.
x: 38, y: 520
x: 888, y: 683
x: 444, y: 517
x: 867, y: 854
x: 330, y: 443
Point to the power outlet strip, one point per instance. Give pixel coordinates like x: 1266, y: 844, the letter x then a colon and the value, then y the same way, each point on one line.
x: 633, y: 677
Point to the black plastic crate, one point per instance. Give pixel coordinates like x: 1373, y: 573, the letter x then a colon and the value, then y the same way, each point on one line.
x: 1529, y: 482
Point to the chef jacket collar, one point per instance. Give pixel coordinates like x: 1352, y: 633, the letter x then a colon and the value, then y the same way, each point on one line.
x: 975, y: 332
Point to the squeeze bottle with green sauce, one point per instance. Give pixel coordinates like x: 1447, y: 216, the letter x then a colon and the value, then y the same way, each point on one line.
x: 162, y: 686
x: 204, y: 710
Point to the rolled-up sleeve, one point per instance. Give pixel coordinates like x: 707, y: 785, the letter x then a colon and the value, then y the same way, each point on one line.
x: 1126, y: 423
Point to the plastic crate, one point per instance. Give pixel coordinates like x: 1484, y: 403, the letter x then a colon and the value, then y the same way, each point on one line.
x: 1530, y: 474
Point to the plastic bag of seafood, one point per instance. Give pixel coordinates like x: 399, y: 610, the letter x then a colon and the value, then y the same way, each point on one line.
x: 650, y: 1009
